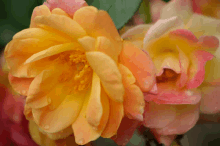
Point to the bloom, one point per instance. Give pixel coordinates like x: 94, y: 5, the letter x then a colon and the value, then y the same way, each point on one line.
x: 68, y: 69
x: 179, y: 52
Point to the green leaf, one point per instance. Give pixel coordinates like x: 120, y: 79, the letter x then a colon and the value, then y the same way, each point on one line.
x: 119, y: 10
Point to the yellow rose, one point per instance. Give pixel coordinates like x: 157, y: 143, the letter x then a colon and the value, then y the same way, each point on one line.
x: 68, y: 69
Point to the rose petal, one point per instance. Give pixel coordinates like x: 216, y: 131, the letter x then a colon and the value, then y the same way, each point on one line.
x: 98, y: 23
x: 139, y: 64
x: 185, y: 114
x: 108, y: 73
x: 39, y: 11
x: 94, y: 107
x: 210, y: 103
x: 164, y: 139
x: 168, y: 93
x: 158, y: 116
x: 65, y: 25
x: 88, y: 43
x: 211, y: 42
x: 115, y: 116
x: 185, y: 34
x: 20, y: 85
x: 83, y: 131
x: 197, y: 70
x: 59, y: 11
x: 161, y: 27
x: 180, y: 8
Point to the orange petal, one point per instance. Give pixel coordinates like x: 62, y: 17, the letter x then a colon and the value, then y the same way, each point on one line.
x: 65, y: 114
x: 20, y: 85
x: 94, y: 108
x: 134, y: 98
x: 83, y: 131
x: 139, y: 64
x: 115, y: 116
x: 52, y: 51
x: 39, y: 11
x: 108, y: 72
x: 105, y: 45
x: 59, y: 11
x: 65, y: 25
x: 88, y: 43
x: 98, y: 23
x: 197, y: 68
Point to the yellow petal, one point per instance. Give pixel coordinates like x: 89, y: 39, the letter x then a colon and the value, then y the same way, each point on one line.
x: 109, y: 74
x: 40, y: 34
x: 94, y: 108
x: 202, y: 25
x: 104, y: 45
x: 98, y: 23
x: 52, y: 51
x: 115, y: 116
x: 63, y: 24
x: 59, y: 11
x: 63, y: 116
x: 83, y: 131
x: 127, y: 75
x: 39, y: 11
x: 161, y: 27
x: 88, y: 43
x: 180, y: 8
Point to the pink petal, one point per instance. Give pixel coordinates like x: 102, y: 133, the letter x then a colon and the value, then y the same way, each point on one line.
x: 155, y: 8
x: 69, y: 6
x: 184, y: 63
x: 186, y: 118
x: 184, y: 33
x: 158, y: 116
x: 168, y: 93
x: 197, y: 70
x: 196, y: 7
x: 165, y: 139
x: 210, y: 103
x: 209, y: 41
x: 125, y: 131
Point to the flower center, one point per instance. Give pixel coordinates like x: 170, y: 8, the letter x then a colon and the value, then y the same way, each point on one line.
x: 79, y: 77
x: 168, y: 75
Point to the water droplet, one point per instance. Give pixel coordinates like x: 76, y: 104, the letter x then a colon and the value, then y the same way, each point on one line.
x: 189, y: 93
x: 46, y: 127
x: 81, y: 141
x: 49, y: 100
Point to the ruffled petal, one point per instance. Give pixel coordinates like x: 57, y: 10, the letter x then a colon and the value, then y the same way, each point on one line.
x: 88, y: 43
x: 94, y: 108
x: 83, y: 131
x: 59, y: 11
x: 125, y: 131
x: 168, y: 93
x: 197, y: 70
x: 64, y: 115
x: 98, y: 23
x: 134, y: 99
x: 104, y: 45
x: 39, y: 11
x: 20, y: 85
x: 108, y: 73
x: 136, y: 34
x: 158, y: 115
x: 115, y: 117
x: 140, y: 64
x: 187, y: 116
x: 65, y: 25
x: 54, y: 50
x: 161, y: 27
x: 68, y: 6
x: 180, y: 8
x: 202, y: 25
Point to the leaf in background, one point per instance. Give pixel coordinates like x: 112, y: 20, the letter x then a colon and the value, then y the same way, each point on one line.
x: 144, y: 11
x: 119, y: 10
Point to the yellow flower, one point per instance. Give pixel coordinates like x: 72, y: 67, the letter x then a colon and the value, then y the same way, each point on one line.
x: 68, y: 69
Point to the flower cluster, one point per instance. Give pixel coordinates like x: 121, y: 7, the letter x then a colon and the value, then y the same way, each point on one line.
x: 79, y: 76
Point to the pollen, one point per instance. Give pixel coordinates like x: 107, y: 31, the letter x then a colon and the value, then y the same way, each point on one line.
x: 79, y: 77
